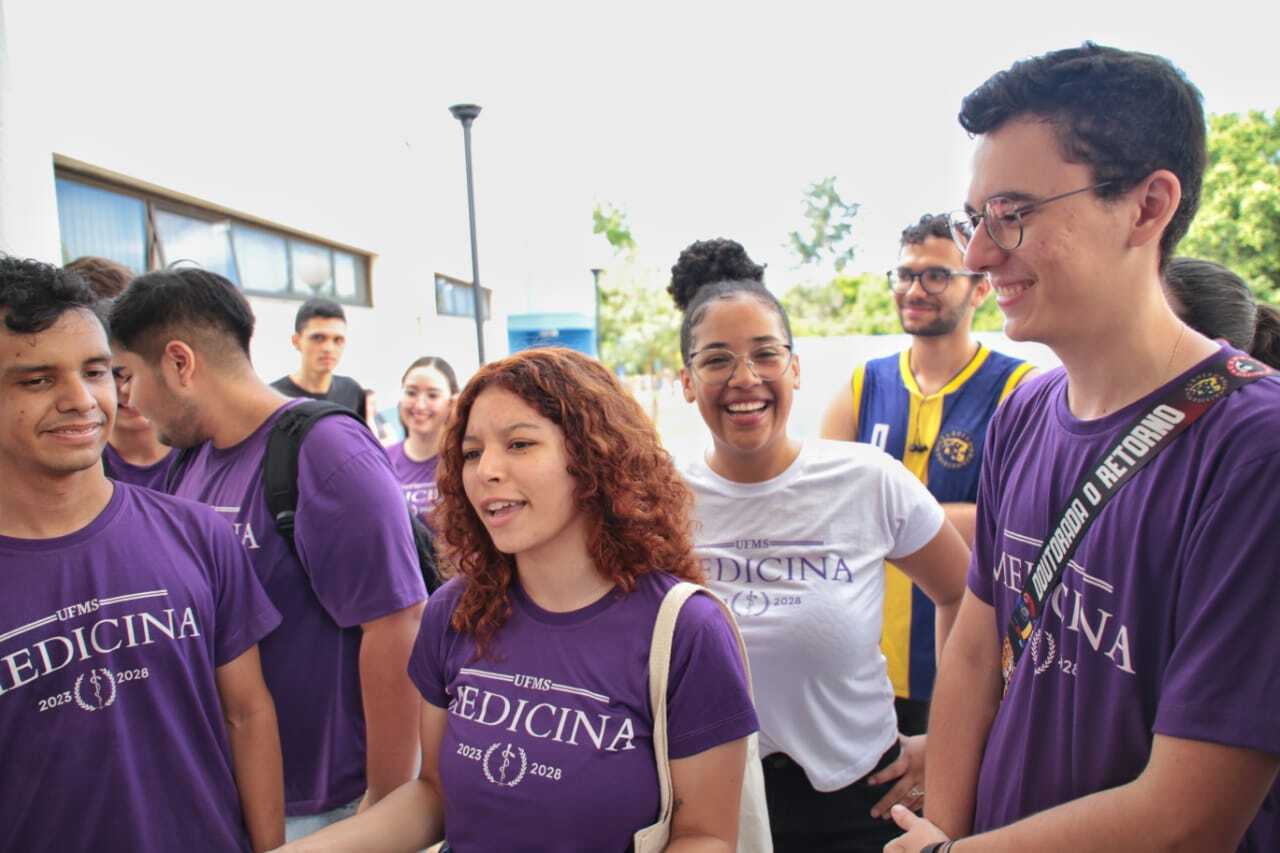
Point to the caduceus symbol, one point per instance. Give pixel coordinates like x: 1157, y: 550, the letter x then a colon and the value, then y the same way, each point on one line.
x: 507, y: 755
x: 96, y: 681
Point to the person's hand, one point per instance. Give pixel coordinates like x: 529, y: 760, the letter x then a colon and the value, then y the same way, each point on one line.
x: 908, y: 769
x: 919, y: 832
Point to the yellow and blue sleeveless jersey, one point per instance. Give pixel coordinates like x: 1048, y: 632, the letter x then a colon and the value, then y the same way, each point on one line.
x: 939, y: 438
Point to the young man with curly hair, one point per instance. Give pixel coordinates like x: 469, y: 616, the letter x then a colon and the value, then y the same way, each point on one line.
x: 927, y: 406
x: 133, y: 712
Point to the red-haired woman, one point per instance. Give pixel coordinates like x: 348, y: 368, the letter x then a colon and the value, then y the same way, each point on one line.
x: 567, y: 523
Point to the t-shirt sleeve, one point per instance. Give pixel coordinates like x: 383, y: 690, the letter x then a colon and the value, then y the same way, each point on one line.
x: 912, y: 516
x: 243, y: 614
x: 426, y: 662
x: 982, y: 552
x: 1220, y: 684
x: 708, y: 702
x: 351, y: 529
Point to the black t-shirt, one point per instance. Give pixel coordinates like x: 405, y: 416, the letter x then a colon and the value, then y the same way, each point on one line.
x: 343, y: 390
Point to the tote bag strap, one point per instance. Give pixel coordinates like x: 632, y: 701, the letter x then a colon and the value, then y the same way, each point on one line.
x: 664, y: 629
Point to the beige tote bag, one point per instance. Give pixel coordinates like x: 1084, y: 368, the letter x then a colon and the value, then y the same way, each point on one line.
x: 753, y: 819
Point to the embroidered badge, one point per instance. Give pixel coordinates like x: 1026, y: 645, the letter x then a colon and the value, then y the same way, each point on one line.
x: 955, y: 450
x: 1205, y: 388
x: 1242, y: 366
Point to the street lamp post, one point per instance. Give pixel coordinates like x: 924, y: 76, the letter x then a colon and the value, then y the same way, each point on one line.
x: 595, y: 275
x: 466, y: 113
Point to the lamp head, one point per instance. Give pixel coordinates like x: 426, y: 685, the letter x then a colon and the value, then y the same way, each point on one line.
x: 465, y: 113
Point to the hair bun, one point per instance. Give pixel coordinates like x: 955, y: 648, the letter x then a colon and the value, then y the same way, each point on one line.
x: 708, y: 262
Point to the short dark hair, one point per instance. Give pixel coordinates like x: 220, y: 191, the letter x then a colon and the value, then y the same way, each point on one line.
x: 930, y: 225
x: 33, y: 295
x: 1121, y: 113
x: 317, y: 306
x: 716, y: 269
x: 187, y: 303
x: 104, y: 276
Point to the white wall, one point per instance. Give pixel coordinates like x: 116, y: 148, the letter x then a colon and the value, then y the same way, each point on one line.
x: 264, y: 119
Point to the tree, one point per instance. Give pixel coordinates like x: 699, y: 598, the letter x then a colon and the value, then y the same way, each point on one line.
x: 828, y: 234
x: 612, y: 223
x: 846, y: 305
x: 860, y: 305
x: 1238, y: 224
x: 639, y: 324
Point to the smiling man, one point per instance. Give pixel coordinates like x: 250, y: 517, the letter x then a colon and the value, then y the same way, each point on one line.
x: 320, y: 337
x: 133, y: 713
x: 929, y: 407
x: 1108, y: 684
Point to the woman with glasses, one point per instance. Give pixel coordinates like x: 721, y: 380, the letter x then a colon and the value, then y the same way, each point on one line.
x: 427, y: 392
x: 568, y: 523
x: 793, y: 535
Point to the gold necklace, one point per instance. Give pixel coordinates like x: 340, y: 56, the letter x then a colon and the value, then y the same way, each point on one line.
x: 1168, y: 366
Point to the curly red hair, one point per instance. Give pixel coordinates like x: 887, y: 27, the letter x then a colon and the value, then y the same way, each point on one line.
x: 638, y: 508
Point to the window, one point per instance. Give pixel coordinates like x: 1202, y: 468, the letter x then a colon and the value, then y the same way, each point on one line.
x: 456, y: 298
x: 147, y: 232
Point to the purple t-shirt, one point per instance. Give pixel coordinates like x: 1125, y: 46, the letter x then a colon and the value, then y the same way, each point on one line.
x: 110, y: 722
x: 549, y: 739
x: 358, y: 563
x: 1157, y: 625
x: 417, y: 479
x: 149, y: 476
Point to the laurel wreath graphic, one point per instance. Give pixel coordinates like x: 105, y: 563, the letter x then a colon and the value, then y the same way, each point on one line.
x: 524, y: 766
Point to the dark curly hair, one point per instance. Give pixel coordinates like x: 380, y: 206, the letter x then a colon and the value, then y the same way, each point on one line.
x: 930, y: 225
x: 638, y: 508
x: 33, y: 295
x: 716, y: 269
x: 1122, y: 114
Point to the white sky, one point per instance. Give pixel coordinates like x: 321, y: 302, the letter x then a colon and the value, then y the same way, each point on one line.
x: 698, y: 119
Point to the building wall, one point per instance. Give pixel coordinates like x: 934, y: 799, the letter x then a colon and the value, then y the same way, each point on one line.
x: 284, y: 133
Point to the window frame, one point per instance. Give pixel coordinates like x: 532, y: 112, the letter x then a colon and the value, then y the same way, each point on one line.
x: 442, y: 307
x: 154, y: 198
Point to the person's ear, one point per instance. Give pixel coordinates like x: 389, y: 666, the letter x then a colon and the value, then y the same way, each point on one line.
x: 686, y: 383
x: 1156, y: 200
x: 297, y: 341
x: 178, y: 362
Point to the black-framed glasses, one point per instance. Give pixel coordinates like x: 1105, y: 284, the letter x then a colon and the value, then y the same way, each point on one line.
x: 716, y: 366
x: 1002, y: 218
x: 934, y: 280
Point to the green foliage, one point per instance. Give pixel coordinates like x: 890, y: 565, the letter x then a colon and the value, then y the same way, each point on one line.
x: 639, y: 324
x: 828, y: 234
x: 847, y: 305
x: 1238, y: 224
x: 612, y: 223
x: 860, y: 305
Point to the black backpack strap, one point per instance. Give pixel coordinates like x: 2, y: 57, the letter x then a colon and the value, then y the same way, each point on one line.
x: 280, y: 462
x: 173, y: 476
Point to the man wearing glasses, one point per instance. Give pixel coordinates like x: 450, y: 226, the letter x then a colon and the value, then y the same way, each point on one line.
x: 1109, y: 683
x: 927, y: 406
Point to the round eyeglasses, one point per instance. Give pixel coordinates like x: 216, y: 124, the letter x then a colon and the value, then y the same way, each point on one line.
x: 934, y: 280
x: 716, y: 366
x: 1002, y: 217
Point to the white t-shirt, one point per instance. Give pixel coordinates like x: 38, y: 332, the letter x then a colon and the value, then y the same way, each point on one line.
x: 800, y: 560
